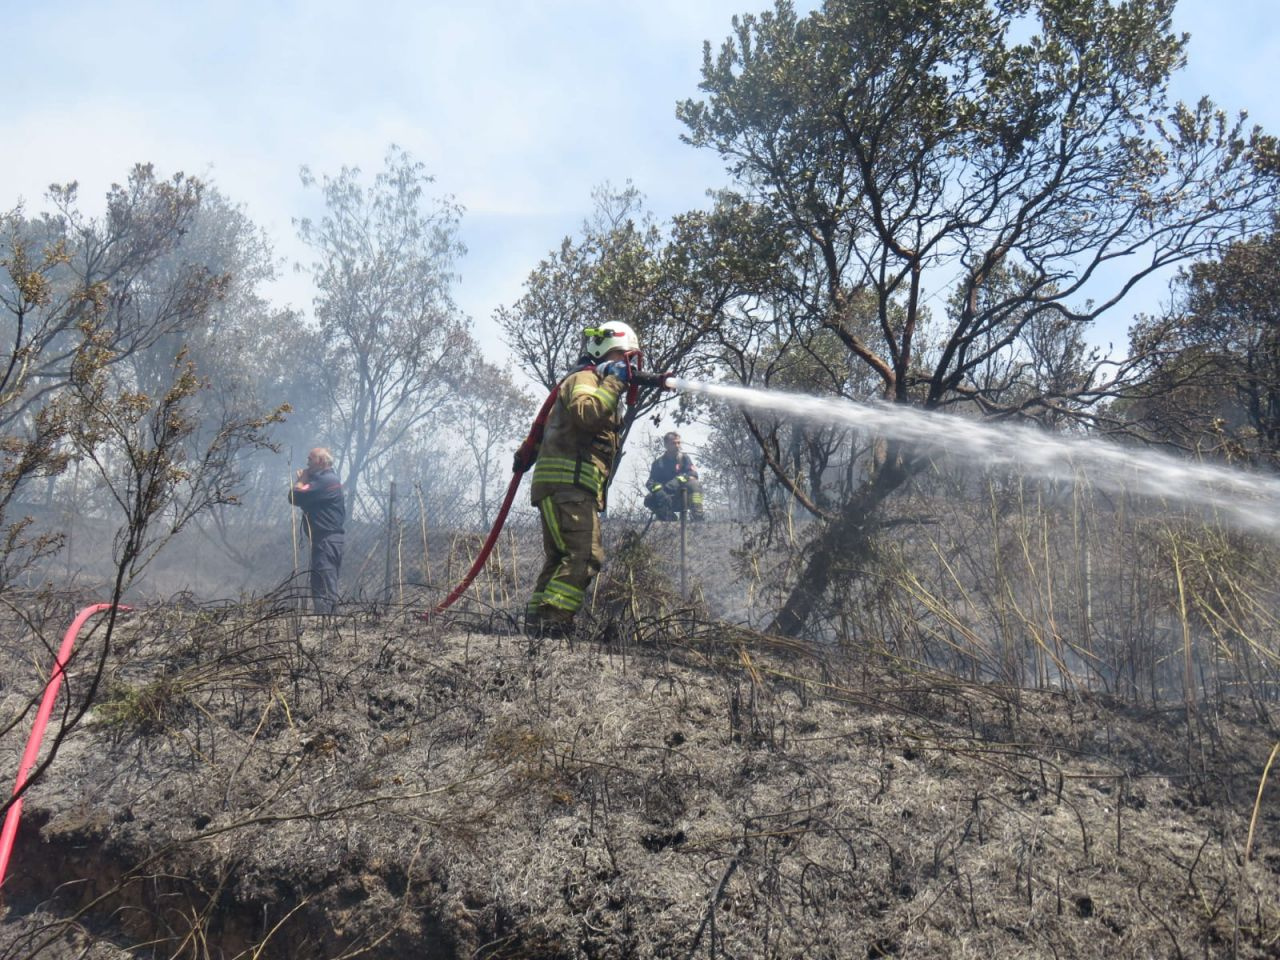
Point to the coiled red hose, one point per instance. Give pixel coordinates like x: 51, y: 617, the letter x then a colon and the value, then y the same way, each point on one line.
x: 37, y: 730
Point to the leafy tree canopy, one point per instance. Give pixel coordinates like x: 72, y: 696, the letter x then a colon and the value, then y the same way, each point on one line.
x: 1019, y: 159
x: 1212, y: 370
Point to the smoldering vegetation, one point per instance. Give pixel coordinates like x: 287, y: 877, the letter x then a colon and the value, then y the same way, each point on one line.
x: 880, y: 704
x: 251, y: 780
x: 995, y: 576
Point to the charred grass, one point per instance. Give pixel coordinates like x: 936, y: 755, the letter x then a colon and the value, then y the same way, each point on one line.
x: 251, y: 783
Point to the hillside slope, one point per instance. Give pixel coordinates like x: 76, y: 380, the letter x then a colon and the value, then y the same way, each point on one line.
x: 255, y: 784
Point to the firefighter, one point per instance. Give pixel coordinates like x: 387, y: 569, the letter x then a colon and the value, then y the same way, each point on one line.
x: 674, y: 484
x: 576, y: 454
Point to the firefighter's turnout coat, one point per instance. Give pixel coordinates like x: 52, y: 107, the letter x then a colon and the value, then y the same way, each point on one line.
x: 570, y: 480
x: 666, y: 469
x: 666, y: 477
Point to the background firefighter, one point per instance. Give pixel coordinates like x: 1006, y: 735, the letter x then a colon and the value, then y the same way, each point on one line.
x: 570, y: 476
x: 673, y: 483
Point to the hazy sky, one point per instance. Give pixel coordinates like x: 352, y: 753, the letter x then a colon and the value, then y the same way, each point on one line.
x: 519, y: 108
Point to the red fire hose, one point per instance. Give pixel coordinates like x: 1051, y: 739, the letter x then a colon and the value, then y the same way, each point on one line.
x: 525, y: 456
x: 37, y: 731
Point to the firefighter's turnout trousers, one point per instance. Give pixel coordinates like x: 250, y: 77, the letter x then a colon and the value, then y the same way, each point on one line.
x: 571, y: 544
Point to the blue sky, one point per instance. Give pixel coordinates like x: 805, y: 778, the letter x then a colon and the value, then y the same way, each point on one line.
x: 519, y: 108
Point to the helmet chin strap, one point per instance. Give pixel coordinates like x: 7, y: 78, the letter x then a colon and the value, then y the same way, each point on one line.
x: 635, y: 363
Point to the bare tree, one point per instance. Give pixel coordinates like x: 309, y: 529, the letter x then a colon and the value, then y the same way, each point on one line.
x: 79, y: 296
x: 395, y: 344
x: 68, y: 273
x: 490, y: 428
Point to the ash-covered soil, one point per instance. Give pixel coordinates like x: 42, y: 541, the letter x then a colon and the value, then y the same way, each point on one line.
x: 254, y: 784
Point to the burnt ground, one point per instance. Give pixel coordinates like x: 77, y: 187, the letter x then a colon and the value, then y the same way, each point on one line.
x: 254, y: 784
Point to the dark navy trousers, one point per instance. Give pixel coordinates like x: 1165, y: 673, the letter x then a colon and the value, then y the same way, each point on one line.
x: 326, y: 562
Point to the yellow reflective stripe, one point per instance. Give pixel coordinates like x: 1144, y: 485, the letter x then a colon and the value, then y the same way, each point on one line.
x: 549, y: 518
x: 562, y: 595
x: 590, y: 482
x: 561, y: 470
x: 602, y: 391
x: 566, y: 590
x: 603, y: 394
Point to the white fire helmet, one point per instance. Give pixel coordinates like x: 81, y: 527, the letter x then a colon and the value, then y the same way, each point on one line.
x: 610, y: 336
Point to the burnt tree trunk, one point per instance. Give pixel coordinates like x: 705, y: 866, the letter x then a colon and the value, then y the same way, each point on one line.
x: 841, y: 547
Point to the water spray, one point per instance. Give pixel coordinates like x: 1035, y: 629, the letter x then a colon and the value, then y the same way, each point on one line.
x: 1246, y: 500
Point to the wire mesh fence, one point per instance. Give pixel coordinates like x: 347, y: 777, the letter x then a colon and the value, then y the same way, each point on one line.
x: 417, y: 551
x: 404, y: 546
x: 1085, y: 598
x: 414, y: 547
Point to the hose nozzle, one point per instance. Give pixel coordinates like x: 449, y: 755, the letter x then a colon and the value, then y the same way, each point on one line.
x: 656, y: 380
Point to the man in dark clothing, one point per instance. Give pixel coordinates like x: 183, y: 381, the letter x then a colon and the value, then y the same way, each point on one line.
x: 318, y: 492
x: 673, y: 483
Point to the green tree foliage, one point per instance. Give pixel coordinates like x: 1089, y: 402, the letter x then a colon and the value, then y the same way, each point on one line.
x: 1212, y: 373
x: 672, y: 288
x: 394, y: 346
x: 908, y: 149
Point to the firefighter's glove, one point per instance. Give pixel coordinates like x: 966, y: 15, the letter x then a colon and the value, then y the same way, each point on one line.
x: 524, y: 457
x: 618, y: 368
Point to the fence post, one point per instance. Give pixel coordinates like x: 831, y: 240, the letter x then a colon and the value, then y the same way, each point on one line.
x: 391, y: 537
x: 426, y: 551
x: 684, y: 513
